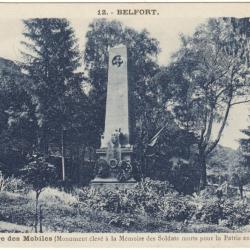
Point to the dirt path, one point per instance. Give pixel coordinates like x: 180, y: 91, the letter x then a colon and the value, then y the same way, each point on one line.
x: 6, y: 227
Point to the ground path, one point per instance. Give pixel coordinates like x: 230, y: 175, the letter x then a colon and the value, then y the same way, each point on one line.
x: 6, y: 227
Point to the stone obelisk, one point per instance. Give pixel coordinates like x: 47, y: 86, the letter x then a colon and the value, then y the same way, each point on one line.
x: 117, y: 107
x: 115, y: 154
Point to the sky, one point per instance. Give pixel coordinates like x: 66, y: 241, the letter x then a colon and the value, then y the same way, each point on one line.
x: 166, y: 31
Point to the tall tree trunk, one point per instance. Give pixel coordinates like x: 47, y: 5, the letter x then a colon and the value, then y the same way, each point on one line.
x: 42, y: 141
x: 81, y: 163
x: 41, y: 219
x: 36, y: 215
x: 241, y: 190
x: 63, y: 159
x: 203, y: 168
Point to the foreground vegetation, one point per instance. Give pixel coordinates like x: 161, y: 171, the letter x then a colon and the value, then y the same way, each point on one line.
x: 154, y: 207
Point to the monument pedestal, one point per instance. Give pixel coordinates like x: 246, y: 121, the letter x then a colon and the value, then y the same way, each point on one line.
x: 111, y: 181
x: 126, y: 155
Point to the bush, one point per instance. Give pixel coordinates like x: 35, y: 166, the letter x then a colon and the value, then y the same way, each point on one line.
x: 53, y: 195
x: 148, y: 206
x: 235, y: 213
x: 12, y: 184
x: 151, y: 198
x: 205, y: 228
x: 124, y: 221
x: 211, y: 211
x: 15, y: 208
x: 228, y: 212
x: 177, y: 208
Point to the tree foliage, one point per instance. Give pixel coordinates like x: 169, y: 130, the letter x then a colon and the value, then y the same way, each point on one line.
x: 39, y: 174
x: 245, y: 146
x: 17, y: 126
x: 241, y: 174
x: 51, y: 59
x: 208, y: 76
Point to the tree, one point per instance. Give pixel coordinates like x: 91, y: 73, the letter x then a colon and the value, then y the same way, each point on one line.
x: 172, y: 159
x: 208, y: 76
x: 17, y: 126
x: 51, y: 60
x: 39, y: 174
x: 241, y: 175
x: 142, y: 66
x: 245, y: 146
x: 241, y: 29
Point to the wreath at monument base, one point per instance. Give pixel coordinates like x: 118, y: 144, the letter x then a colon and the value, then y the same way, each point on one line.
x: 102, y: 168
x: 125, y: 171
x: 113, y: 163
x: 122, y: 170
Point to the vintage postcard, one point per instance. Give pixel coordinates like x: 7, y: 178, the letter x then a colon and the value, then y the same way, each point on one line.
x: 124, y: 125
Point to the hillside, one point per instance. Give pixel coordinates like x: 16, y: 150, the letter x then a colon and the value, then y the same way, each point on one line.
x: 7, y: 65
x: 223, y: 159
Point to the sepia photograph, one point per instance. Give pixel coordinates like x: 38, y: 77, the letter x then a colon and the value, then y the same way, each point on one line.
x: 123, y: 120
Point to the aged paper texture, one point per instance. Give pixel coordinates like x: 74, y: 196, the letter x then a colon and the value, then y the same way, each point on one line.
x: 124, y: 125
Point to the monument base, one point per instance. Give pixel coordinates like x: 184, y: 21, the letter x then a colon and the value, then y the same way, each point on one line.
x: 126, y: 155
x: 99, y: 180
x: 111, y: 182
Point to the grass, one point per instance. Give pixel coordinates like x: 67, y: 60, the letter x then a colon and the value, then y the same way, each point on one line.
x: 6, y: 227
x: 61, y: 213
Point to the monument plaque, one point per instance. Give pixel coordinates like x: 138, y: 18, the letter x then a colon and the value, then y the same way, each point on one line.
x: 115, y: 155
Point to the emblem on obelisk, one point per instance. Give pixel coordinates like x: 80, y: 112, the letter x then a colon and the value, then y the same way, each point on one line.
x: 117, y: 60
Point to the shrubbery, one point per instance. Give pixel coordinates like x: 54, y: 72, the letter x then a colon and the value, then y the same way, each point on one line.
x: 12, y: 184
x: 158, y: 199
x: 178, y: 208
x: 148, y: 206
x: 231, y: 212
x: 236, y: 213
x: 210, y: 211
x: 148, y: 198
x: 16, y: 209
